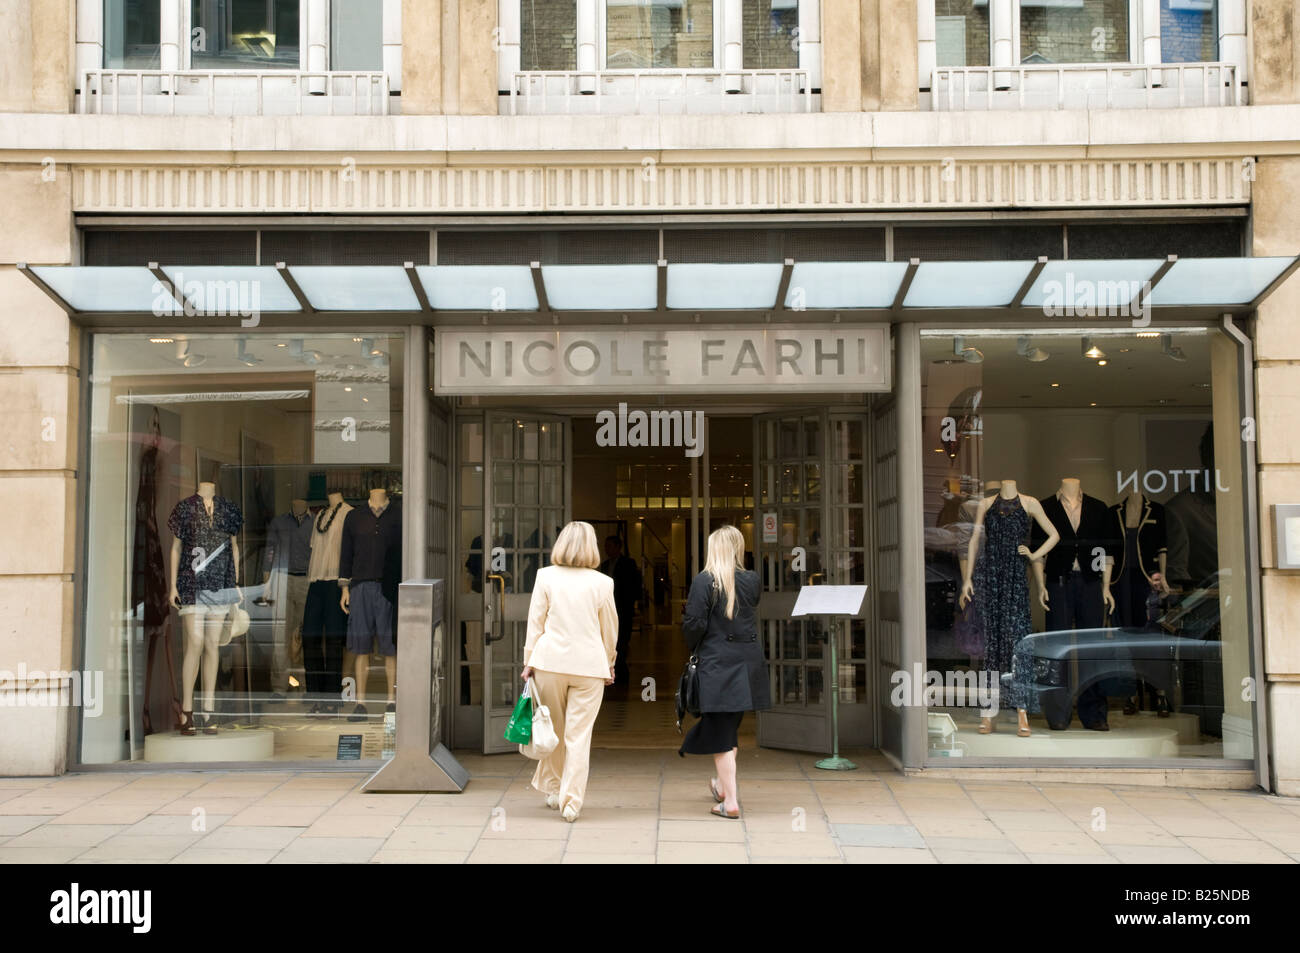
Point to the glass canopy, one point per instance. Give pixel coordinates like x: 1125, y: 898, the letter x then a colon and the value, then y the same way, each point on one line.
x: 1229, y: 285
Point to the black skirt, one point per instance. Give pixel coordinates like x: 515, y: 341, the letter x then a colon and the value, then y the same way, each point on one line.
x: 715, y: 733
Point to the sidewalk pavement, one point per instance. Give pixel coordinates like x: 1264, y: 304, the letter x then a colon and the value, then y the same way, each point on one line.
x: 642, y: 807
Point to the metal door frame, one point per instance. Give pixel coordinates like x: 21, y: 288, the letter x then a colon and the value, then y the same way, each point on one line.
x: 510, y: 607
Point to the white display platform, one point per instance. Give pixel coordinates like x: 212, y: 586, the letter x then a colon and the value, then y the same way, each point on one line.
x: 1143, y: 735
x: 245, y: 744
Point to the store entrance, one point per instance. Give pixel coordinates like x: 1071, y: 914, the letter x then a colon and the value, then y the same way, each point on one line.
x: 794, y: 481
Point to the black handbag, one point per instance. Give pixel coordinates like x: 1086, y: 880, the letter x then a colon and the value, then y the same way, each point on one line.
x: 688, y: 687
x: 688, y: 691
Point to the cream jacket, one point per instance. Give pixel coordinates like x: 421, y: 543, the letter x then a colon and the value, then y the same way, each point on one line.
x: 572, y: 622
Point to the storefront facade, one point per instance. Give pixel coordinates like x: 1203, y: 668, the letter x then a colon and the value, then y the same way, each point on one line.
x: 844, y: 351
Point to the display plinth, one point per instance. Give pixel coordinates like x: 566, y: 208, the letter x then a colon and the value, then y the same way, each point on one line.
x: 246, y: 744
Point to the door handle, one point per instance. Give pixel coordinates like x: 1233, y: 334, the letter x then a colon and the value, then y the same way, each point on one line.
x: 488, y: 636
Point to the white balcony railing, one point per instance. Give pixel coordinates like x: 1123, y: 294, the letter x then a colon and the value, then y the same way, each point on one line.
x: 1086, y: 86
x: 234, y: 93
x: 659, y: 92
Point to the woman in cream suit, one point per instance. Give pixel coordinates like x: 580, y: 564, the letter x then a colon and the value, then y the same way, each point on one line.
x: 570, y: 652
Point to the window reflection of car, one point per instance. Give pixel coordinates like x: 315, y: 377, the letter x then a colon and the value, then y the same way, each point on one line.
x: 1180, y: 654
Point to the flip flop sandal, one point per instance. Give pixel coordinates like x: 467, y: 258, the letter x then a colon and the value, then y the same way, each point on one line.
x: 719, y: 811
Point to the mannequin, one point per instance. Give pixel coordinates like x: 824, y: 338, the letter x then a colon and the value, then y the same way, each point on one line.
x: 288, y: 553
x: 324, y: 624
x: 968, y: 628
x: 369, y: 573
x: 148, y: 578
x: 1077, y: 578
x: 1139, y: 576
x: 204, y: 587
x: 1004, y: 587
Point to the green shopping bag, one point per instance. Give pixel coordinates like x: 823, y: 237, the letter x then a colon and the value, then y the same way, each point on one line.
x: 519, y: 731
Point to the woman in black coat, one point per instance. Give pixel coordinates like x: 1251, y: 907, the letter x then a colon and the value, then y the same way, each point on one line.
x: 720, y: 623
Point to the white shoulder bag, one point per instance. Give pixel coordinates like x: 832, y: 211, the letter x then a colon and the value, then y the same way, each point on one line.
x: 544, y: 740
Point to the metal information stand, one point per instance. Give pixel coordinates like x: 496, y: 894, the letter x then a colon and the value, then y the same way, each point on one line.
x: 833, y: 603
x: 420, y: 763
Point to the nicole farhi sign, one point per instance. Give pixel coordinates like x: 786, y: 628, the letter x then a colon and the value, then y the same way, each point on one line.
x: 807, y: 359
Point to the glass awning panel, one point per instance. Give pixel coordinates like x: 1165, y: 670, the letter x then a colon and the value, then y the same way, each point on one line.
x: 966, y: 284
x: 601, y: 287
x: 1217, y: 281
x: 128, y: 290
x: 729, y: 287
x: 222, y: 289
x: 844, y: 284
x: 478, y: 287
x: 356, y: 287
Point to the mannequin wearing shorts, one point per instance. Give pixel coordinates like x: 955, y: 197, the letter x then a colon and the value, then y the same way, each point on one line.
x: 370, y: 563
x: 204, y: 557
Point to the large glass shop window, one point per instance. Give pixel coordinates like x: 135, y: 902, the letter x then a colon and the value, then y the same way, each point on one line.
x: 244, y: 547
x: 1085, y: 546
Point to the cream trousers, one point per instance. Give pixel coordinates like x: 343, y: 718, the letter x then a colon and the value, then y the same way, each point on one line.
x: 574, y: 701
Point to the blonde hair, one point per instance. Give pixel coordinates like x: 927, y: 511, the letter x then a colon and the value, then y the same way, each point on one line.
x: 726, y: 554
x: 576, y: 546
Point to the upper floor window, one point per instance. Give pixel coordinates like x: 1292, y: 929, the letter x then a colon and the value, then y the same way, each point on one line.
x: 548, y: 35
x: 771, y: 34
x: 658, y: 34
x: 1074, y: 31
x: 961, y: 31
x: 1189, y: 31
x: 356, y: 35
x: 131, y: 34
x: 244, y: 34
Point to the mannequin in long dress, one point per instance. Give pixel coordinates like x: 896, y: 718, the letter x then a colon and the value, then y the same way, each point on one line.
x: 1006, y: 610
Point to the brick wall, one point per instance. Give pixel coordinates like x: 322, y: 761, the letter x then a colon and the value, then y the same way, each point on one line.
x: 1187, y: 36
x: 977, y: 31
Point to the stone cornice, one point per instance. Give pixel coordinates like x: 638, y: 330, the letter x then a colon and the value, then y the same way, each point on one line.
x: 594, y: 140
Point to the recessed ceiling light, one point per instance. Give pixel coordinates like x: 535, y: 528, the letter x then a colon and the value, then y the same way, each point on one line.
x: 162, y: 340
x: 1056, y: 385
x: 1148, y: 334
x: 347, y: 389
x: 1093, y: 404
x: 1103, y: 362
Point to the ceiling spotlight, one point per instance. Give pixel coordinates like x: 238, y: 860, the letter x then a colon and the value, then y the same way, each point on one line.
x: 1030, y: 353
x: 310, y: 358
x: 971, y: 355
x: 370, y: 349
x: 244, y: 357
x: 1103, y: 362
x: 188, y: 359
x: 1091, y: 350
x: 1171, y: 350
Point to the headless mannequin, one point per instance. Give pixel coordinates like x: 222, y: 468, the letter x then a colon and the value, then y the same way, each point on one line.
x: 1071, y: 494
x: 202, y: 631
x: 1133, y: 506
x: 1009, y: 491
x: 299, y: 509
x: 378, y: 499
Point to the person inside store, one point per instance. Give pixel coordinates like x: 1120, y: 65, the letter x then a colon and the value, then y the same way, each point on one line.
x: 570, y: 653
x: 720, y: 624
x: 627, y: 590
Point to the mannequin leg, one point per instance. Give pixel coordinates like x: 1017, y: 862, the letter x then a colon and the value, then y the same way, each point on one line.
x: 361, y: 671
x: 211, y: 661
x: 193, y: 653
x: 390, y: 669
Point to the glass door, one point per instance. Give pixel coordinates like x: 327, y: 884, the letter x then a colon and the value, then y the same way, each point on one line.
x: 526, y: 503
x: 791, y: 515
x: 811, y: 490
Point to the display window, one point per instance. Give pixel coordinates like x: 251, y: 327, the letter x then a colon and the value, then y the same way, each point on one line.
x: 1085, y: 540
x: 243, y: 546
